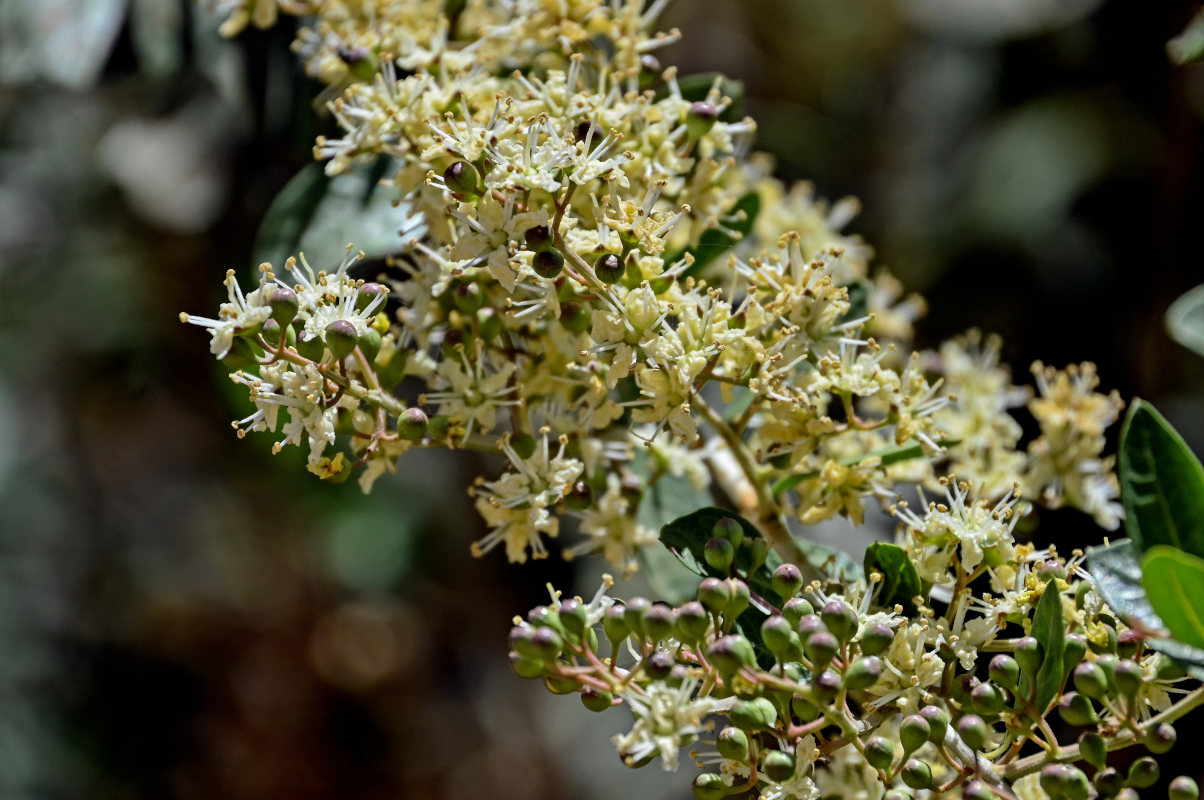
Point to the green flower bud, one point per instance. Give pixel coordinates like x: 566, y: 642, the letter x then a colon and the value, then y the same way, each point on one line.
x: 729, y: 529
x: 840, y: 618
x: 1160, y: 738
x: 795, y: 609
x: 559, y: 685
x: 614, y: 625
x: 609, y: 269
x: 821, y: 648
x: 825, y: 686
x: 1128, y: 677
x: 412, y: 424
x: 1029, y: 654
x: 438, y: 427
x: 1128, y: 643
x: 658, y: 622
x: 917, y: 774
x: 310, y: 346
x: 758, y: 551
x: 284, y: 304
x: 787, y: 581
x: 341, y: 338
x: 863, y: 673
x: 468, y: 297
x: 804, y: 709
x: 975, y: 789
x: 987, y: 698
x: 741, y: 597
x: 1004, y: 671
x: 463, y: 179
x: 879, y: 753
x: 973, y: 731
x: 1183, y: 788
x: 810, y: 625
x: 732, y: 744
x: 547, y: 644
x: 572, y: 617
x: 520, y: 641
x: 1107, y: 662
x: 1053, y: 780
x: 753, y: 715
x: 633, y: 613
x: 776, y: 633
x: 729, y: 653
x: 539, y: 238
x: 938, y: 723
x: 271, y: 333
x: 1090, y: 680
x: 876, y: 639
x: 548, y: 263
x: 1108, y: 782
x: 596, y: 699
x: 700, y: 119
x: 361, y: 62
x: 525, y: 667
x: 692, y: 621
x: 1076, y: 785
x: 1108, y: 647
x: 1076, y: 709
x: 1143, y: 773
x: 241, y: 355
x: 580, y: 496
x: 575, y: 317
x: 777, y: 766
x: 544, y: 617
x: 913, y: 733
x: 489, y: 323
x: 369, y: 344
x: 1093, y: 748
x: 709, y: 786
x: 714, y: 594
x: 719, y: 553
x: 1073, y: 652
x: 659, y: 665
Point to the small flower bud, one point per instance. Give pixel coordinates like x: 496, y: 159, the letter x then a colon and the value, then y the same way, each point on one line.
x: 1076, y: 709
x: 547, y: 644
x: 973, y: 731
x: 777, y: 765
x: 1109, y: 782
x: 714, y: 594
x: 821, y: 648
x: 1076, y: 785
x: 732, y: 744
x: 810, y: 625
x: 361, y: 62
x: 1128, y: 677
x: 795, y: 609
x: 708, y: 786
x: 1053, y: 780
x: 913, y: 733
x: 369, y: 344
x: 284, y: 304
x: 840, y: 618
x: 340, y: 338
x: 596, y: 699
x: 938, y: 723
x: 544, y: 617
x: 1160, y: 738
x: 692, y: 621
x: 879, y: 753
x: 863, y: 673
x: 1051, y: 568
x: 825, y: 686
x: 524, y: 667
x: 776, y: 632
x: 975, y: 789
x: 438, y: 427
x: 917, y: 774
x: 1073, y: 652
x: 412, y: 424
x: 876, y: 638
x: 1028, y: 654
x: 1128, y: 643
x: 1106, y: 647
x: 1090, y: 680
x: 804, y: 709
x: 468, y: 297
x: 987, y: 698
x: 310, y: 346
x: 659, y: 665
x: 700, y: 119
x: 729, y: 529
x: 572, y: 617
x: 463, y: 179
x: 1004, y: 671
x: 371, y: 290
x: 1183, y: 788
x: 614, y: 625
x: 719, y: 553
x: 1093, y: 749
x: 1143, y: 773
x: 539, y: 238
x: 729, y: 653
x: 753, y: 715
x: 650, y: 70
x: 633, y: 613
x: 575, y: 317
x: 658, y: 622
x: 271, y: 332
x: 787, y: 581
x: 609, y: 269
x: 741, y: 597
x: 548, y: 263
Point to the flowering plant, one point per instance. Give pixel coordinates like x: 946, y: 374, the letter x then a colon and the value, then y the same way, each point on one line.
x: 599, y: 282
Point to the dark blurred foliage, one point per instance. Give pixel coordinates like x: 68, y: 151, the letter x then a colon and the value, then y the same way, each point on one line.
x: 184, y: 615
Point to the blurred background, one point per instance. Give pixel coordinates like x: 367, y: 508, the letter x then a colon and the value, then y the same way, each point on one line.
x: 183, y: 615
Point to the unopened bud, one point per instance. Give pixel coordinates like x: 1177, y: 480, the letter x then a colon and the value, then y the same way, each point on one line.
x: 609, y: 269
x: 539, y: 238
x: 284, y: 304
x: 463, y: 179
x: 341, y: 338
x: 777, y: 765
x: 548, y: 263
x: 719, y: 553
x: 753, y: 715
x: 412, y: 424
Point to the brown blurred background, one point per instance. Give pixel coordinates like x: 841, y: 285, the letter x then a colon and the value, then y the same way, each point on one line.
x: 183, y: 615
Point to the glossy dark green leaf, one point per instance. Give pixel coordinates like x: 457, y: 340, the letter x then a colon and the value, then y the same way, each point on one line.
x: 1050, y: 631
x: 1162, y: 483
x: 320, y: 215
x: 1174, y: 584
x: 900, y: 581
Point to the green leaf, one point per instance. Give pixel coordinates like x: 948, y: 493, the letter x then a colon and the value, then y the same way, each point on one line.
x: 1162, y: 483
x: 1174, y: 584
x: 900, y: 580
x: 1049, y: 630
x: 714, y: 243
x: 889, y: 455
x: 320, y: 215
x: 673, y: 576
x: 1185, y: 320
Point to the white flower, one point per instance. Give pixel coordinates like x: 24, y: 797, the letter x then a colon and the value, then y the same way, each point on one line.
x: 242, y: 313
x: 666, y: 719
